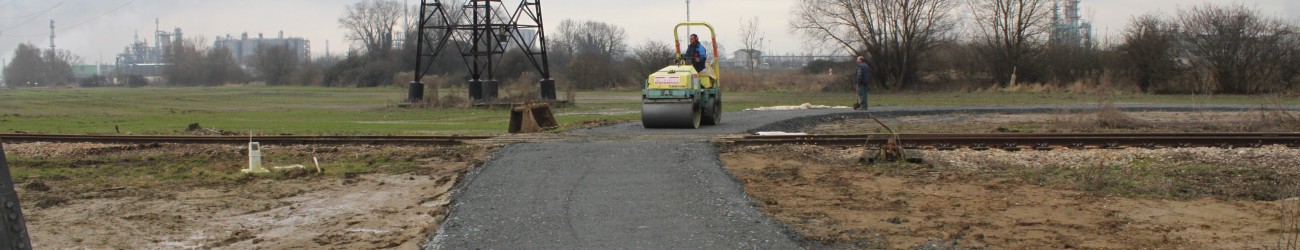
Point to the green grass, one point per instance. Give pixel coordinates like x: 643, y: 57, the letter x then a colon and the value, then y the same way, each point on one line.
x: 350, y: 111
x: 110, y: 171
x: 218, y: 165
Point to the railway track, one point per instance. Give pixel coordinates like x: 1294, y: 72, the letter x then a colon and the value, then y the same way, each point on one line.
x: 265, y: 140
x: 1036, y: 141
x: 907, y: 141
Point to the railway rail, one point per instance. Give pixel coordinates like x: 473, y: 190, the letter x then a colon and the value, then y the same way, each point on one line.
x: 907, y: 141
x: 265, y: 140
x: 1036, y: 141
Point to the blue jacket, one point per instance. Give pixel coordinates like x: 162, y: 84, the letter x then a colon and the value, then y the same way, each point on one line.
x: 697, y: 47
x: 864, y: 74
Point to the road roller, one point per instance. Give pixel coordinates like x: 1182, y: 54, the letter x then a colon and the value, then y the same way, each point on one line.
x: 679, y: 96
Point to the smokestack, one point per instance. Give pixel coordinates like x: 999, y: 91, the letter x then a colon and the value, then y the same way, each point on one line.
x: 156, y: 29
x: 51, y: 34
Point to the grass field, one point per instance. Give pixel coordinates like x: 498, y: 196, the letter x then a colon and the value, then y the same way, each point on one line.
x: 354, y: 111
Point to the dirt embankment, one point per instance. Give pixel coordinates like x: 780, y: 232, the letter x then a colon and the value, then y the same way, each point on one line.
x: 185, y: 196
x: 832, y: 201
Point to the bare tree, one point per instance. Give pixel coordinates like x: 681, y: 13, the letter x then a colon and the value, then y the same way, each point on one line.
x: 1148, y: 50
x: 592, y: 37
x: 896, y: 35
x: 1291, y: 51
x: 275, y: 64
x: 1010, y: 34
x: 587, y: 52
x: 751, y: 38
x: 31, y: 67
x: 651, y: 56
x: 371, y: 23
x: 221, y: 67
x: 1236, y: 46
x: 185, y: 63
x: 59, y: 63
x: 26, y: 67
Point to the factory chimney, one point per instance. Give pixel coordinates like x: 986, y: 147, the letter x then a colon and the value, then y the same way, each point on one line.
x: 51, y: 34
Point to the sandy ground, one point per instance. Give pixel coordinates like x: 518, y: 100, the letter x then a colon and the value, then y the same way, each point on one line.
x: 300, y: 210
x: 369, y: 211
x: 830, y: 201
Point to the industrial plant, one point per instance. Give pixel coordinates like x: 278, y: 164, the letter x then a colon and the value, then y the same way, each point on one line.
x: 1068, y: 27
x: 148, y: 60
x: 244, y: 47
x: 141, y: 59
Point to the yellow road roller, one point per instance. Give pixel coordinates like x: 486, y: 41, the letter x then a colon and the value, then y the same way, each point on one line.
x: 679, y: 95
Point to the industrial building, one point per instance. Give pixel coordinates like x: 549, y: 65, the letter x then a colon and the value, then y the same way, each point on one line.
x: 85, y: 71
x: 148, y: 60
x: 140, y: 59
x: 245, y: 48
x: 1068, y: 27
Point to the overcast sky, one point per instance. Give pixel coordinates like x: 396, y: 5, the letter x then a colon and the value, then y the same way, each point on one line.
x: 96, y: 29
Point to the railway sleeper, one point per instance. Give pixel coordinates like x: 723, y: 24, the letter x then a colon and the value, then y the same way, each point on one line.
x: 1043, y: 147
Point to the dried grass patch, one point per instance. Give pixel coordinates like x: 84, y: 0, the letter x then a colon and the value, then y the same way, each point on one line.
x: 1267, y: 173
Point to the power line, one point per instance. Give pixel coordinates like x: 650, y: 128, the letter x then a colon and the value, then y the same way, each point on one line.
x: 7, y: 4
x: 38, y: 15
x: 79, y: 24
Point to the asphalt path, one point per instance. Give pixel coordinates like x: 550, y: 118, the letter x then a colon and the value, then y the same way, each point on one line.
x: 800, y: 120
x: 606, y: 195
x: 669, y: 193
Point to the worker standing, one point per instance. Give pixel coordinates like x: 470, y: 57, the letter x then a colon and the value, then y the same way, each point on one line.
x: 696, y: 53
x: 862, y: 80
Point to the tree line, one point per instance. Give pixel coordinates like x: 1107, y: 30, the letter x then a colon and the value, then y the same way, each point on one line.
x: 587, y: 54
x: 919, y: 44
x: 34, y: 67
x: 910, y: 44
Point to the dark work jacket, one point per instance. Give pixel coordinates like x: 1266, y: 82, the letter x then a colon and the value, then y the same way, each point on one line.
x: 697, y: 50
x: 864, y: 74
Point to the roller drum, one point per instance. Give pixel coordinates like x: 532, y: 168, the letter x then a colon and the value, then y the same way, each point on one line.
x: 670, y: 115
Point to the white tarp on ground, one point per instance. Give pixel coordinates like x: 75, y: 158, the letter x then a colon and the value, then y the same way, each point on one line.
x: 778, y: 133
x: 798, y: 107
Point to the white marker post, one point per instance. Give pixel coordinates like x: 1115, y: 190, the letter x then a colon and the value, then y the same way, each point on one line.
x: 255, y: 159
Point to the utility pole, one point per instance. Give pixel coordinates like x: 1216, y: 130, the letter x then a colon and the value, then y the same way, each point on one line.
x: 406, y: 19
x: 688, y: 16
x: 406, y: 16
